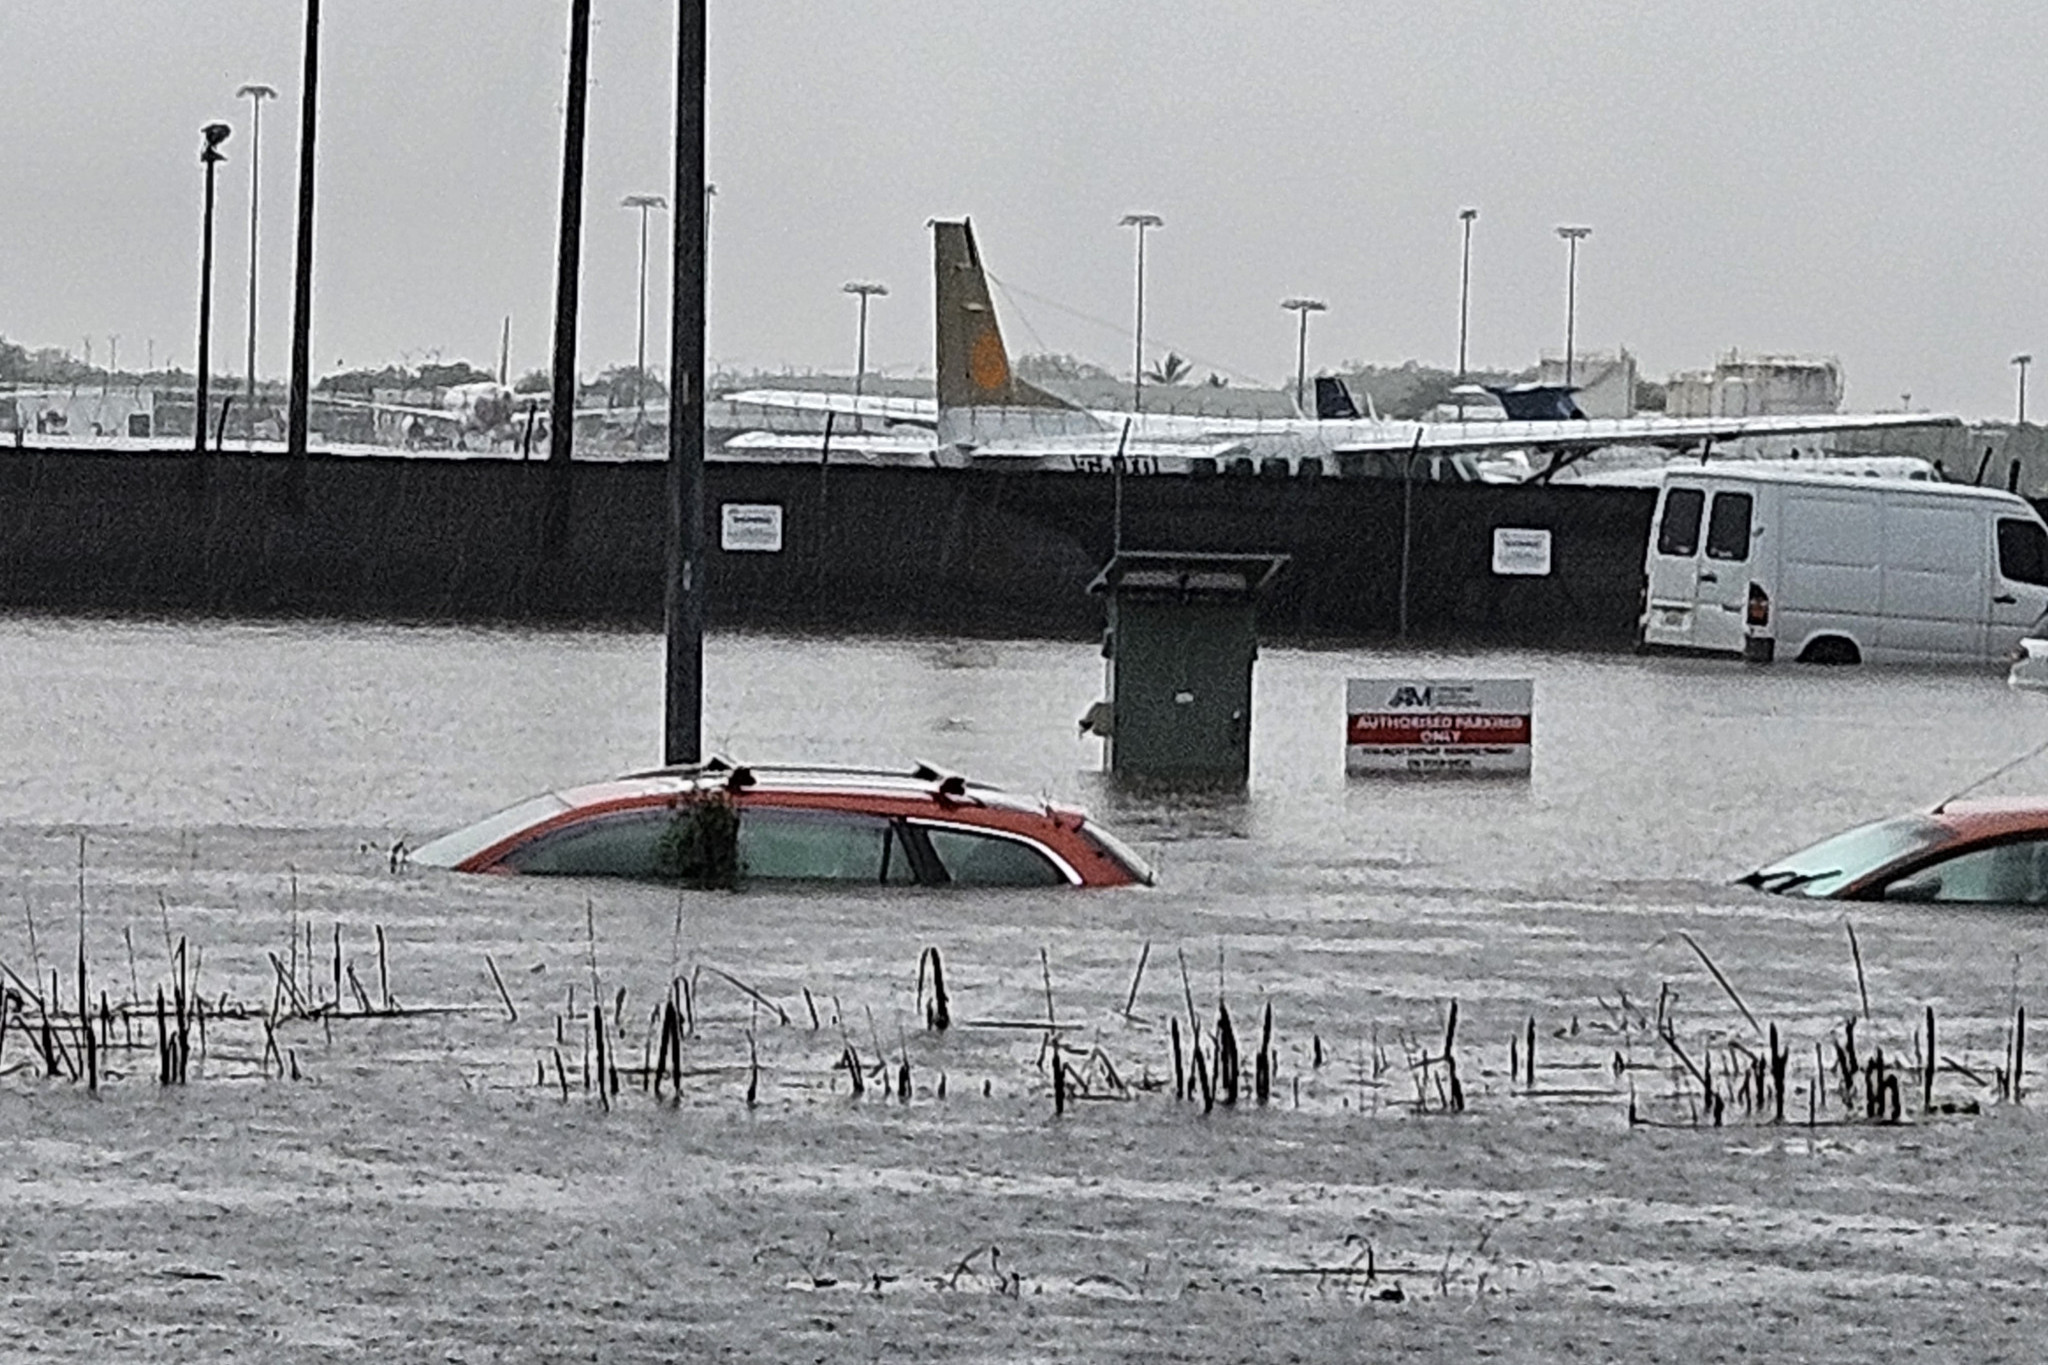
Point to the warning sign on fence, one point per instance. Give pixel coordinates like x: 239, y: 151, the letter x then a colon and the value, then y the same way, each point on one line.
x: 1438, y: 725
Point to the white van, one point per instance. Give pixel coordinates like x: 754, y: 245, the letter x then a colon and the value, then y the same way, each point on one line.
x: 1828, y: 568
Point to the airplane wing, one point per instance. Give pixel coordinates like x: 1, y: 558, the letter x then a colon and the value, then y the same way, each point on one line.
x: 1593, y: 433
x: 519, y: 404
x: 878, y: 448
x: 915, y: 412
x: 1094, y: 452
x: 372, y: 405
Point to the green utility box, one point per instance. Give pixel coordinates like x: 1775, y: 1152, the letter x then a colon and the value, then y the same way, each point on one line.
x: 1183, y: 635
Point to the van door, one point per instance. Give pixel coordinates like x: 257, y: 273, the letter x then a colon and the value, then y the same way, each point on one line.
x: 1673, y: 567
x: 1935, y: 579
x: 2019, y: 591
x: 1830, y: 575
x: 1719, y: 615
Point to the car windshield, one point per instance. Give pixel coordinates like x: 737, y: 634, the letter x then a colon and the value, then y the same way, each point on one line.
x: 1848, y: 857
x: 465, y: 843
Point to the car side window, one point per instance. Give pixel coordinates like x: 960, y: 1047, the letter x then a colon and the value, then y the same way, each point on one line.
x: 780, y: 843
x: 2022, y: 551
x: 619, y: 844
x: 2003, y: 874
x: 1728, y: 527
x: 971, y: 858
x: 1679, y: 532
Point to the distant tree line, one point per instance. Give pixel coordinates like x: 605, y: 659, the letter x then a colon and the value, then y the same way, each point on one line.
x: 1408, y: 390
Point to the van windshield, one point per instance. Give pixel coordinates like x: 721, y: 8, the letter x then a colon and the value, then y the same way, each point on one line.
x: 1842, y: 859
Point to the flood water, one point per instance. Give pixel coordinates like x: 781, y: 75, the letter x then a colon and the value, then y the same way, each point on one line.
x: 1646, y: 769
x: 446, y: 1181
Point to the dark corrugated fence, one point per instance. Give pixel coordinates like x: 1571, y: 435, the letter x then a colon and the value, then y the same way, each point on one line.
x: 410, y: 538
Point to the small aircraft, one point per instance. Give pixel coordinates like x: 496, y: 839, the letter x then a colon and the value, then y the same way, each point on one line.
x: 484, y: 409
x: 986, y: 415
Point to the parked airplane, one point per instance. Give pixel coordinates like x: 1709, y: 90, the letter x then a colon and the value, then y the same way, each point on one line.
x: 986, y: 415
x: 485, y: 408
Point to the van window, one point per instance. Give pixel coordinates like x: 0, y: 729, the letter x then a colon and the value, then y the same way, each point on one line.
x: 1679, y: 532
x: 2022, y: 551
x: 1728, y: 527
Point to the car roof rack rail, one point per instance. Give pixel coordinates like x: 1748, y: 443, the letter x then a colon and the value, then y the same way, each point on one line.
x: 708, y: 766
x: 950, y: 785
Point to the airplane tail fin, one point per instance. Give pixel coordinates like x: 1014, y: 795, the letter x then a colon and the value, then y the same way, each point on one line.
x: 973, y: 364
x: 1333, y: 399
x: 1539, y: 403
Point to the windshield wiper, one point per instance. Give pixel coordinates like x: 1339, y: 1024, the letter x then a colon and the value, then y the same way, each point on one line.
x: 1779, y: 883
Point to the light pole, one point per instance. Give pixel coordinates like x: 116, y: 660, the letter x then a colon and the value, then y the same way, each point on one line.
x: 1572, y: 237
x: 255, y: 94
x: 1304, y: 307
x: 687, y: 548
x: 209, y: 156
x: 2020, y: 362
x: 298, y: 391
x: 1466, y: 217
x: 645, y: 203
x: 1140, y: 221
x: 865, y: 290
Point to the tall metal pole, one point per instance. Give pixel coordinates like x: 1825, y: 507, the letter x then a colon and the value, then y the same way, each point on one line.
x: 2022, y: 361
x: 1572, y: 237
x: 209, y: 157
x: 683, y: 719
x: 1571, y: 311
x: 860, y: 348
x: 569, y: 249
x: 255, y: 94
x: 1407, y: 526
x: 1140, y: 221
x: 1464, y: 302
x: 1301, y: 360
x: 302, y: 283
x: 866, y: 290
x: 640, y: 338
x: 1303, y: 307
x: 644, y: 203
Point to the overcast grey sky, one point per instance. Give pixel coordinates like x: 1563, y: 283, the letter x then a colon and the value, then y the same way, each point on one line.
x: 1857, y: 179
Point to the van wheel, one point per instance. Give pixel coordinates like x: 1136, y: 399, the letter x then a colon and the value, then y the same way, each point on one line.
x: 1831, y: 649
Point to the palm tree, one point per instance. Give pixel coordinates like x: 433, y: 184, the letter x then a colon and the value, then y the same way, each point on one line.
x: 1170, y: 370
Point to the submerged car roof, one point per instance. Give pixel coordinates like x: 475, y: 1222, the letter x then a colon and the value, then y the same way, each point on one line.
x: 1990, y: 817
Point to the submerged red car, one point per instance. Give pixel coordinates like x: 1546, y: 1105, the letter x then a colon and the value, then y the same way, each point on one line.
x: 918, y: 828
x: 1962, y: 852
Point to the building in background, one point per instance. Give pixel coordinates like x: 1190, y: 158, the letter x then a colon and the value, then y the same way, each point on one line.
x: 1757, y: 386
x: 80, y: 410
